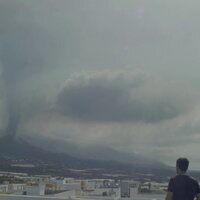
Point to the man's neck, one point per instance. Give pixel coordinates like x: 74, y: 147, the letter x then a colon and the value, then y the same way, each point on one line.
x: 181, y: 173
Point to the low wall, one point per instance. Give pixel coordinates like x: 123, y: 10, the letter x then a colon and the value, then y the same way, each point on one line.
x: 24, y: 197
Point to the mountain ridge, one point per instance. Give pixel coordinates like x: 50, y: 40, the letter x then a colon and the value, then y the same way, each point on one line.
x: 100, y: 152
x: 16, y: 150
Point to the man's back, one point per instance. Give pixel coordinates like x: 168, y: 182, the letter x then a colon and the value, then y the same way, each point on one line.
x: 183, y: 187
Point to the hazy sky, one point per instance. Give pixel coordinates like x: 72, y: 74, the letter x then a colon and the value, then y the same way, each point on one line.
x: 121, y: 73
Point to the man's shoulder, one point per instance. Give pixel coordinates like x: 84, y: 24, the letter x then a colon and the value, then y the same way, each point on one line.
x: 192, y: 179
x: 175, y: 177
x: 184, y: 177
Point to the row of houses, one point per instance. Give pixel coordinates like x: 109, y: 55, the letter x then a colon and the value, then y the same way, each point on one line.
x: 44, y: 185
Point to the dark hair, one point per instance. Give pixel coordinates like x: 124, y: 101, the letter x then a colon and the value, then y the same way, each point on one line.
x: 182, y: 164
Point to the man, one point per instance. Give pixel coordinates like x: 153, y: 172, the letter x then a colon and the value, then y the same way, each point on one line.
x: 182, y: 186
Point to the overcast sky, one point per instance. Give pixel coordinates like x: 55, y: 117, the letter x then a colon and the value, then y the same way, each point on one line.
x: 120, y: 73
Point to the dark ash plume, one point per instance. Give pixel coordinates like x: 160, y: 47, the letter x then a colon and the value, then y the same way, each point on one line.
x: 13, y: 119
x: 26, y: 50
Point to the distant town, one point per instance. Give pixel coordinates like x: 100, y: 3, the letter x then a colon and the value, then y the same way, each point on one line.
x: 28, y: 172
x: 14, y: 184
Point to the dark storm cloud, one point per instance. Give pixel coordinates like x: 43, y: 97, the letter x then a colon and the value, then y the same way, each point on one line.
x: 114, y: 98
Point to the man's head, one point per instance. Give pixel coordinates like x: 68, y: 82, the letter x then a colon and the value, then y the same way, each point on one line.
x: 182, y: 165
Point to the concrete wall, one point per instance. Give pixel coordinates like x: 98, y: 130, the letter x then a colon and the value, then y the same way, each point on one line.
x: 16, y: 197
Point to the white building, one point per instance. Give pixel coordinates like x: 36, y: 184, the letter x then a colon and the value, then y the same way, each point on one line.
x: 65, y: 184
x: 23, y: 189
x: 16, y: 188
x: 124, y: 189
x: 4, y: 188
x: 35, y: 190
x: 159, y: 188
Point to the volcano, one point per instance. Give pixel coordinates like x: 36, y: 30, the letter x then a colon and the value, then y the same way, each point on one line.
x: 17, y: 148
x: 14, y: 150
